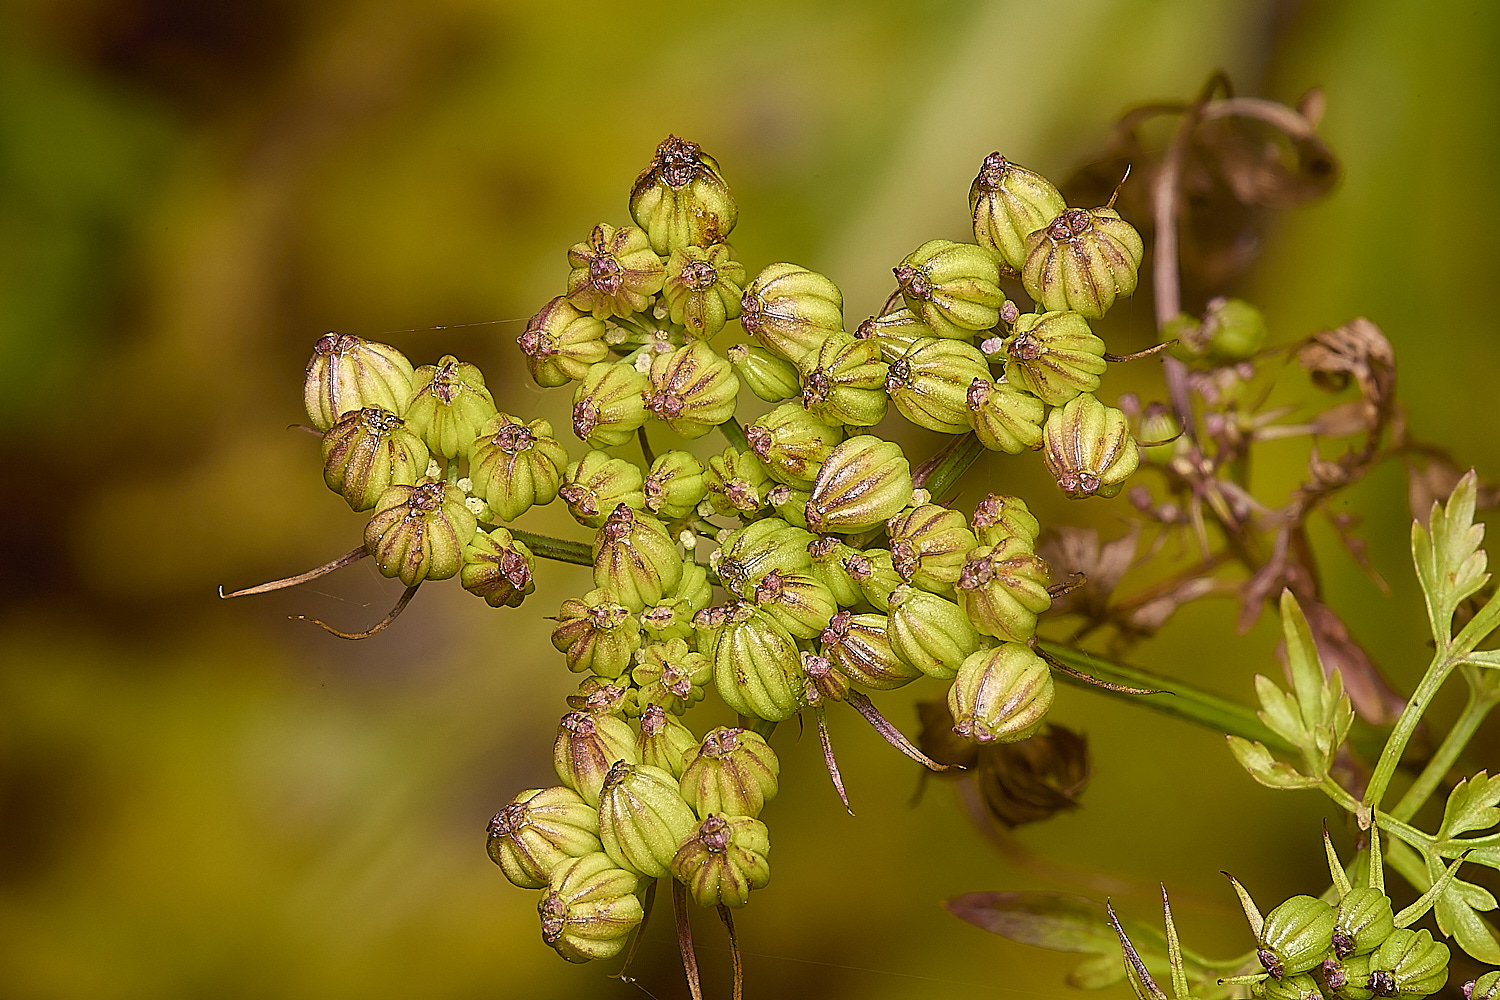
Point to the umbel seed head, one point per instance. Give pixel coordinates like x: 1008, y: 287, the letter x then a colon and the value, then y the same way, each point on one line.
x: 1082, y: 260
x: 681, y: 199
x: 346, y: 374
x: 420, y: 532
x: 366, y: 452
x: 1009, y: 203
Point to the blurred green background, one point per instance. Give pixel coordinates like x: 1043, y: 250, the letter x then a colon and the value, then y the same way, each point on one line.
x: 204, y: 799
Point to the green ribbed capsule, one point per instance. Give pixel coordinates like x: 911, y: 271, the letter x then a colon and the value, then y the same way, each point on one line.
x: 770, y: 376
x: 597, y: 635
x: 1296, y: 936
x: 932, y: 634
x: 1004, y: 417
x: 896, y: 331
x: 1000, y: 694
x: 1409, y: 964
x: 1003, y: 588
x: 419, y: 532
x: 516, y: 465
x: 929, y: 544
x: 692, y: 389
x: 539, y: 831
x: 874, y: 572
x: 860, y: 647
x: 368, y: 451
x: 828, y: 554
x: 602, y: 696
x: 797, y: 602
x: 1231, y: 330
x: 792, y: 444
x: 609, y: 405
x: 498, y: 568
x: 1008, y: 203
x: 824, y: 682
x: 732, y: 772
x: 346, y: 374
x: 1348, y: 979
x: 1082, y: 260
x: 862, y: 482
x: 586, y: 747
x: 675, y: 486
x: 843, y: 381
x: 790, y: 310
x: 703, y: 288
x: 1299, y: 987
x: 724, y: 860
x: 693, y: 587
x: 1486, y: 987
x: 681, y: 199
x: 1089, y: 450
x: 747, y: 554
x: 643, y: 818
x: 590, y: 908
x: 449, y: 406
x: 636, y: 562
x: 596, y: 484
x: 790, y: 505
x: 1054, y: 356
x: 1364, y: 921
x: 997, y: 518
x: 737, y: 484
x: 664, y: 742
x: 953, y: 287
x: 561, y: 343
x: 757, y: 666
x: 672, y: 676
x: 615, y: 272
x: 929, y: 384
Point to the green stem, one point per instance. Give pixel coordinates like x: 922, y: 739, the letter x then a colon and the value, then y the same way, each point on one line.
x: 943, y: 470
x: 1447, y: 755
x: 1387, y: 822
x: 559, y: 549
x: 735, y: 434
x: 1395, y: 744
x: 1177, y: 699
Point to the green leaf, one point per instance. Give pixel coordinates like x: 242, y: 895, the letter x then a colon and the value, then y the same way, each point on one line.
x: 1484, y: 657
x: 1457, y: 911
x: 1473, y: 805
x: 1449, y: 562
x: 1280, y: 712
x: 1045, y: 919
x: 1265, y: 768
x: 1302, y: 661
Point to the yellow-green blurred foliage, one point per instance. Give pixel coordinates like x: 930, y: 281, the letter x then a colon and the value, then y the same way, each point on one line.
x: 204, y: 799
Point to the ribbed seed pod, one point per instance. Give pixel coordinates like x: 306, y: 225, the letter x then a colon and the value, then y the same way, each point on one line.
x: 757, y: 666
x: 615, y: 272
x: 843, y: 381
x: 609, y: 405
x: 932, y: 634
x: 824, y: 682
x: 828, y: 554
x: 860, y: 647
x: 770, y: 376
x: 1409, y: 964
x: 929, y: 545
x: 792, y: 444
x: 561, y: 343
x: 997, y: 518
x: 896, y: 331
x: 1000, y: 694
x: 692, y: 389
x: 540, y: 830
x: 419, y: 532
x: 346, y: 374
x: 797, y: 602
x: 664, y: 742
x: 1004, y: 417
x: 1003, y: 588
x: 930, y: 383
x: 874, y: 572
x: 449, y: 406
x: 703, y: 288
x: 862, y: 482
x: 597, y: 634
x: 1299, y: 987
x: 636, y: 562
x: 675, y: 486
x: 953, y: 287
x: 672, y: 676
x: 1486, y: 987
x: 1364, y: 921
x: 1296, y: 936
x: 1089, y: 450
x: 1082, y: 260
x: 790, y: 310
x: 1347, y: 979
x: 602, y: 696
x: 587, y: 746
x: 733, y: 772
x: 498, y: 568
x: 590, y: 908
x: 724, y: 860
x: 1009, y: 203
x: 642, y: 818
x: 516, y: 465
x: 747, y: 554
x: 680, y: 199
x: 1054, y: 356
x: 737, y: 484
x: 596, y: 484
x: 368, y: 451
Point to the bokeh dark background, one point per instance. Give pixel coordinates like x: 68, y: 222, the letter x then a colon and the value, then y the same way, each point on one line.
x: 204, y: 799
